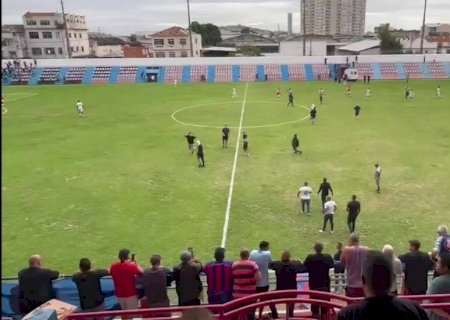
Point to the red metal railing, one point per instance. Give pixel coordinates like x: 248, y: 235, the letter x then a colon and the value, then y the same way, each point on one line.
x: 240, y: 308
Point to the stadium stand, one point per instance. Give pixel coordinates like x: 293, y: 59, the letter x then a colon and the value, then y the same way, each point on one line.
x: 197, y: 72
x: 321, y: 72
x: 413, y: 70
x: 388, y: 71
x: 75, y: 75
x: 21, y: 76
x: 248, y: 73
x: 101, y: 75
x: 224, y: 73
x: 364, y: 69
x: 297, y: 72
x: 273, y: 72
x: 49, y: 75
x: 437, y: 70
x: 127, y: 74
x: 174, y: 73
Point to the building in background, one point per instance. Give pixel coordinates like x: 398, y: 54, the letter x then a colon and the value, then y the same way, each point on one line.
x: 437, y: 29
x: 265, y: 45
x: 105, y: 46
x: 13, y: 42
x: 45, y: 35
x: 174, y: 42
x: 333, y: 17
x: 289, y: 24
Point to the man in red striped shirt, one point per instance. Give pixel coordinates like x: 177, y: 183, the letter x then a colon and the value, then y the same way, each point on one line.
x: 219, y: 277
x: 245, y: 275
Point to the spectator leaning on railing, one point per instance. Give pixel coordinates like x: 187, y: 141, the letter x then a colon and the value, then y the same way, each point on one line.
x: 187, y: 280
x: 442, y: 244
x: 35, y: 285
x: 155, y: 281
x: 389, y: 253
x: 352, y: 259
x: 220, y: 279
x: 124, y: 275
x: 416, y: 265
x: 379, y: 304
x: 441, y: 285
x: 89, y: 288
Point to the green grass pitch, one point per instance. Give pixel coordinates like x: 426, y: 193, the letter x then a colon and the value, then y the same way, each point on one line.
x: 122, y: 176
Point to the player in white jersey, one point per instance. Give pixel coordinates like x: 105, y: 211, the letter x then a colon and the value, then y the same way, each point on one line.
x: 234, y: 93
x: 175, y: 82
x: 368, y: 94
x: 438, y: 92
x: 80, y: 108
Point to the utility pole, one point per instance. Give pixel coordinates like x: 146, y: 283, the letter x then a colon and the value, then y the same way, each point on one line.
x: 189, y: 28
x: 303, y: 3
x: 65, y: 30
x: 423, y: 27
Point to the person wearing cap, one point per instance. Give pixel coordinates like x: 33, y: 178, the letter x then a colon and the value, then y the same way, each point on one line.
x: 124, y: 273
x: 187, y: 280
x: 200, y: 154
x: 35, y: 285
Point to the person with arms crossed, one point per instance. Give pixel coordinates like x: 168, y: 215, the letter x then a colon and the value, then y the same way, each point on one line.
x: 296, y: 144
x: 353, y: 209
x: 325, y: 189
x: 200, y: 155
x: 330, y: 208
x: 304, y: 193
x: 190, y: 140
x: 225, y: 136
x: 377, y: 176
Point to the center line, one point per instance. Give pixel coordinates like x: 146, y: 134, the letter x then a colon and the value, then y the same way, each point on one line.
x: 233, y: 173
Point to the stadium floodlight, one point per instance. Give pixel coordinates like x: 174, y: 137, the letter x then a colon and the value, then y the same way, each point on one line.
x: 422, y: 36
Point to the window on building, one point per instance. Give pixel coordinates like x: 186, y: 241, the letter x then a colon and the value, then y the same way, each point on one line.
x: 12, y: 54
x: 4, y: 44
x: 60, y: 50
x: 33, y: 35
x: 44, y: 22
x: 184, y: 54
x: 57, y: 34
x: 171, y: 42
x: 183, y: 42
x: 196, y: 52
x: 160, y: 55
x: 82, y: 49
x: 70, y: 35
x: 172, y: 54
x: 47, y: 35
x: 71, y: 49
x: 74, y: 35
x: 80, y: 35
x: 77, y: 49
x: 196, y: 40
x: 31, y: 22
x: 50, y: 51
x: 36, y: 51
x: 158, y: 42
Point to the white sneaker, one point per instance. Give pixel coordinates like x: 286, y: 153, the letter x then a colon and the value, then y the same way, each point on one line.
x: 321, y: 231
x: 332, y: 231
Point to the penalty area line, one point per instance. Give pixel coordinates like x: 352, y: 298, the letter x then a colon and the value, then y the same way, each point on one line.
x: 233, y: 173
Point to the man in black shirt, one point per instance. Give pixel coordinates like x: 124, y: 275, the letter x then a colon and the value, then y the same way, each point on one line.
x: 357, y: 109
x: 225, y: 135
x: 200, y: 154
x: 353, y: 209
x: 318, y: 266
x: 155, y: 281
x: 89, y: 288
x: 190, y: 140
x: 377, y: 275
x: 313, y: 114
x: 245, y: 145
x: 291, y: 99
x: 35, y: 285
x: 416, y: 265
x: 296, y: 144
x: 286, y: 273
x: 187, y: 280
x: 325, y: 189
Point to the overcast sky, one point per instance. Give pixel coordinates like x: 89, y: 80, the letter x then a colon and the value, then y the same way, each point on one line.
x: 127, y: 16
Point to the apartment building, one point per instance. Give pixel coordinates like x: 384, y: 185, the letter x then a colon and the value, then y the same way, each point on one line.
x: 174, y: 43
x: 45, y: 35
x: 13, y: 42
x: 333, y: 17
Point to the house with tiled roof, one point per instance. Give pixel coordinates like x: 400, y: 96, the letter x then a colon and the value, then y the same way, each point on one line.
x: 174, y: 42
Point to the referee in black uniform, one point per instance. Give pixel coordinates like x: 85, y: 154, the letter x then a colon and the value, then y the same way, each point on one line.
x: 325, y: 189
x: 200, y: 155
x: 225, y: 136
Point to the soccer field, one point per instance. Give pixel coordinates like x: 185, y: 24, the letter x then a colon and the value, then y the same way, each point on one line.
x: 122, y: 175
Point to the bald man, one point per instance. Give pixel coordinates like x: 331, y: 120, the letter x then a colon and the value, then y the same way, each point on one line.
x: 35, y: 285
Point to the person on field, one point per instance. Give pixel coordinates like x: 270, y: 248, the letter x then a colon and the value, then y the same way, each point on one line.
x: 200, y: 155
x: 304, y: 193
x: 190, y: 140
x: 329, y: 210
x: 353, y: 209
x: 377, y: 176
x: 325, y: 189
x: 225, y: 136
x: 296, y: 144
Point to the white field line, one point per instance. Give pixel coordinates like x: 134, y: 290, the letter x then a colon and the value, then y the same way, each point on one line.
x: 4, y: 111
x: 233, y: 173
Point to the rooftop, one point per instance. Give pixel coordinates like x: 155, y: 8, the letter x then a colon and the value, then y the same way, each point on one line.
x: 13, y: 28
x: 361, y: 45
x: 38, y: 14
x: 172, y: 32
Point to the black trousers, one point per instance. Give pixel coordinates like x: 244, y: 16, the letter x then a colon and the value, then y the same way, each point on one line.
x: 326, y: 218
x: 324, y: 199
x: 272, y: 306
x: 351, y: 222
x: 201, y: 159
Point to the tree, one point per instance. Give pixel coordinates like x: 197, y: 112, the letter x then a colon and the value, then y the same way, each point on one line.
x: 389, y: 43
x: 133, y: 38
x: 210, y: 33
x: 249, y: 51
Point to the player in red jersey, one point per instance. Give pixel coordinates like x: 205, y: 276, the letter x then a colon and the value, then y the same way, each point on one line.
x: 349, y: 91
x: 278, y: 94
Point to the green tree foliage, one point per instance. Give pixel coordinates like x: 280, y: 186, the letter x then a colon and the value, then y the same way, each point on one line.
x: 389, y: 43
x: 249, y: 51
x: 210, y: 33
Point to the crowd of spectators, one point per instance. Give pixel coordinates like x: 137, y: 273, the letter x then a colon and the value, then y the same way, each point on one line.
x: 16, y: 68
x: 369, y: 273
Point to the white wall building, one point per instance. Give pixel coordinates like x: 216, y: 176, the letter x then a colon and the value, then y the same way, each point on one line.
x: 174, y: 42
x: 294, y: 47
x: 45, y: 35
x: 13, y: 42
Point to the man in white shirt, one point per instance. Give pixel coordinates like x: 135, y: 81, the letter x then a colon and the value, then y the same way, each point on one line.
x: 377, y: 176
x: 234, y: 93
x: 304, y: 193
x: 80, y: 108
x: 329, y: 210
